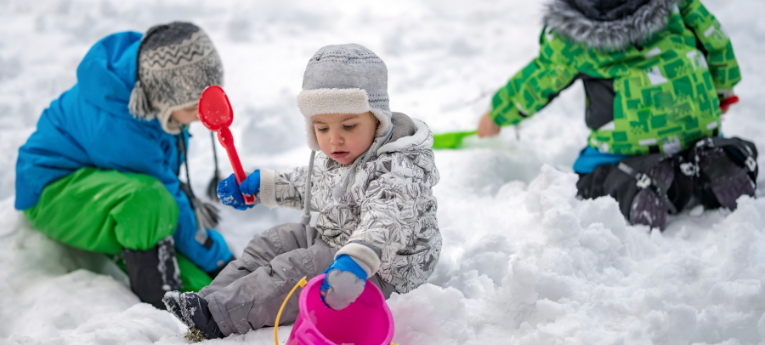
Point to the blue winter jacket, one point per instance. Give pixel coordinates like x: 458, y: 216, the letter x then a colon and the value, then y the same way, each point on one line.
x: 90, y: 126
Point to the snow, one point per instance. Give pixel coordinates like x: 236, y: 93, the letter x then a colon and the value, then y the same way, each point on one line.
x: 523, y: 262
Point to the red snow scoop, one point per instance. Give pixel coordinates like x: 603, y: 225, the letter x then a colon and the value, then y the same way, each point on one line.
x: 216, y: 114
x: 726, y: 103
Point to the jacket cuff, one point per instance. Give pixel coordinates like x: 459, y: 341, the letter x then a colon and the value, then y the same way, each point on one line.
x: 505, y: 116
x: 725, y: 94
x: 362, y: 252
x: 267, y: 193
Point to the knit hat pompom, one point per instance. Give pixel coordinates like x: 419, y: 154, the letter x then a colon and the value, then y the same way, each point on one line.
x: 139, y: 105
x: 344, y: 79
x: 176, y: 62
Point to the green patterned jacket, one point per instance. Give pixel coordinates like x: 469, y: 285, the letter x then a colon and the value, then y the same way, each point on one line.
x: 652, y: 86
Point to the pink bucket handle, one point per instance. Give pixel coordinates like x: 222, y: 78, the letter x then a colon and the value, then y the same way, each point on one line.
x: 301, y: 283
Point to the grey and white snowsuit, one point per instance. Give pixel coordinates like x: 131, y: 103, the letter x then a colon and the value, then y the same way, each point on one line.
x: 387, y: 206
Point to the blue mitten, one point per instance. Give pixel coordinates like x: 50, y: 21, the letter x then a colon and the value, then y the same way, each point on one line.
x: 344, y: 282
x: 230, y: 192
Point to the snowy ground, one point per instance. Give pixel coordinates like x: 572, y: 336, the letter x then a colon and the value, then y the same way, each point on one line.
x: 524, y: 262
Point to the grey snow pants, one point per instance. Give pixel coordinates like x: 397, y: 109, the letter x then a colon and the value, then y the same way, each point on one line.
x: 248, y: 293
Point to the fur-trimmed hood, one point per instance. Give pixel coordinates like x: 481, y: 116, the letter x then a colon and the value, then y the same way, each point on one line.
x: 630, y: 22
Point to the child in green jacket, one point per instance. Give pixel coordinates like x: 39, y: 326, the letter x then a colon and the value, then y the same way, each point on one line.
x: 657, y: 75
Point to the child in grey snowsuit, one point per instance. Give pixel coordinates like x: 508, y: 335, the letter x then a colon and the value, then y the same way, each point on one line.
x: 371, y: 183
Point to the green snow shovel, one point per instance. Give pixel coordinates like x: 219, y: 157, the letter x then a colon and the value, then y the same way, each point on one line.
x: 451, y: 140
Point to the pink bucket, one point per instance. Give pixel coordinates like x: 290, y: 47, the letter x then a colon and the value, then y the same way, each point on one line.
x: 367, y: 321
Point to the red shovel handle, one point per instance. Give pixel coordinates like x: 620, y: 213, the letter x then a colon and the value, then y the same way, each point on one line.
x: 729, y: 101
x: 227, y: 141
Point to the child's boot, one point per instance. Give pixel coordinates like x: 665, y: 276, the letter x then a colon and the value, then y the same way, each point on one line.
x: 726, y: 180
x: 192, y: 310
x: 153, y: 272
x: 648, y: 208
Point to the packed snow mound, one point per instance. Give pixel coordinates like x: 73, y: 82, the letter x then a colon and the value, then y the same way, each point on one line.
x: 537, y: 266
x: 523, y: 261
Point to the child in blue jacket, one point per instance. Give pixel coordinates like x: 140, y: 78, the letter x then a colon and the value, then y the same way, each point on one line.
x: 101, y: 171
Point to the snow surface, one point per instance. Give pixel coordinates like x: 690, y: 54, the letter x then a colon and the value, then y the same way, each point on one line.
x: 523, y: 261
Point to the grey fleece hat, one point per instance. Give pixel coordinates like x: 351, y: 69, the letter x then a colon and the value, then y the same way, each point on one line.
x: 344, y: 79
x: 176, y: 62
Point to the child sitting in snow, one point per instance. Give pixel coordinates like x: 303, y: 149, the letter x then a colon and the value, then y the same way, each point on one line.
x: 101, y: 171
x: 371, y: 184
x: 657, y: 75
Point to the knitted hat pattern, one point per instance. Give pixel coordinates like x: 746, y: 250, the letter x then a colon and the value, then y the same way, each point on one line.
x: 344, y: 79
x: 176, y: 62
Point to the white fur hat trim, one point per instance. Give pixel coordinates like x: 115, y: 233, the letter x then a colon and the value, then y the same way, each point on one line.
x: 337, y: 101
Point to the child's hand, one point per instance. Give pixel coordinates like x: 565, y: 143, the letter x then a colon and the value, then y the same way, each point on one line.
x: 487, y: 127
x: 344, y: 282
x: 230, y: 192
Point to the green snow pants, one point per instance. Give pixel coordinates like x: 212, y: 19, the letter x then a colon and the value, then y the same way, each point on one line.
x: 105, y: 211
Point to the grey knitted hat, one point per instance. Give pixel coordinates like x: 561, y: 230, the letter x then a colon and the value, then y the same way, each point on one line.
x: 344, y: 79
x: 176, y: 62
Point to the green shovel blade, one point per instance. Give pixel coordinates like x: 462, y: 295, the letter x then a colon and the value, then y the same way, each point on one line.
x: 450, y: 140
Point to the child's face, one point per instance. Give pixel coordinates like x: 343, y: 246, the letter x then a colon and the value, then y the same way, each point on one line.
x: 344, y: 137
x: 186, y: 115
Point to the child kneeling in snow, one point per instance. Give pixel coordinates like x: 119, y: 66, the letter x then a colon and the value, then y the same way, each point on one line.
x: 372, y: 186
x: 101, y: 171
x: 657, y: 75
